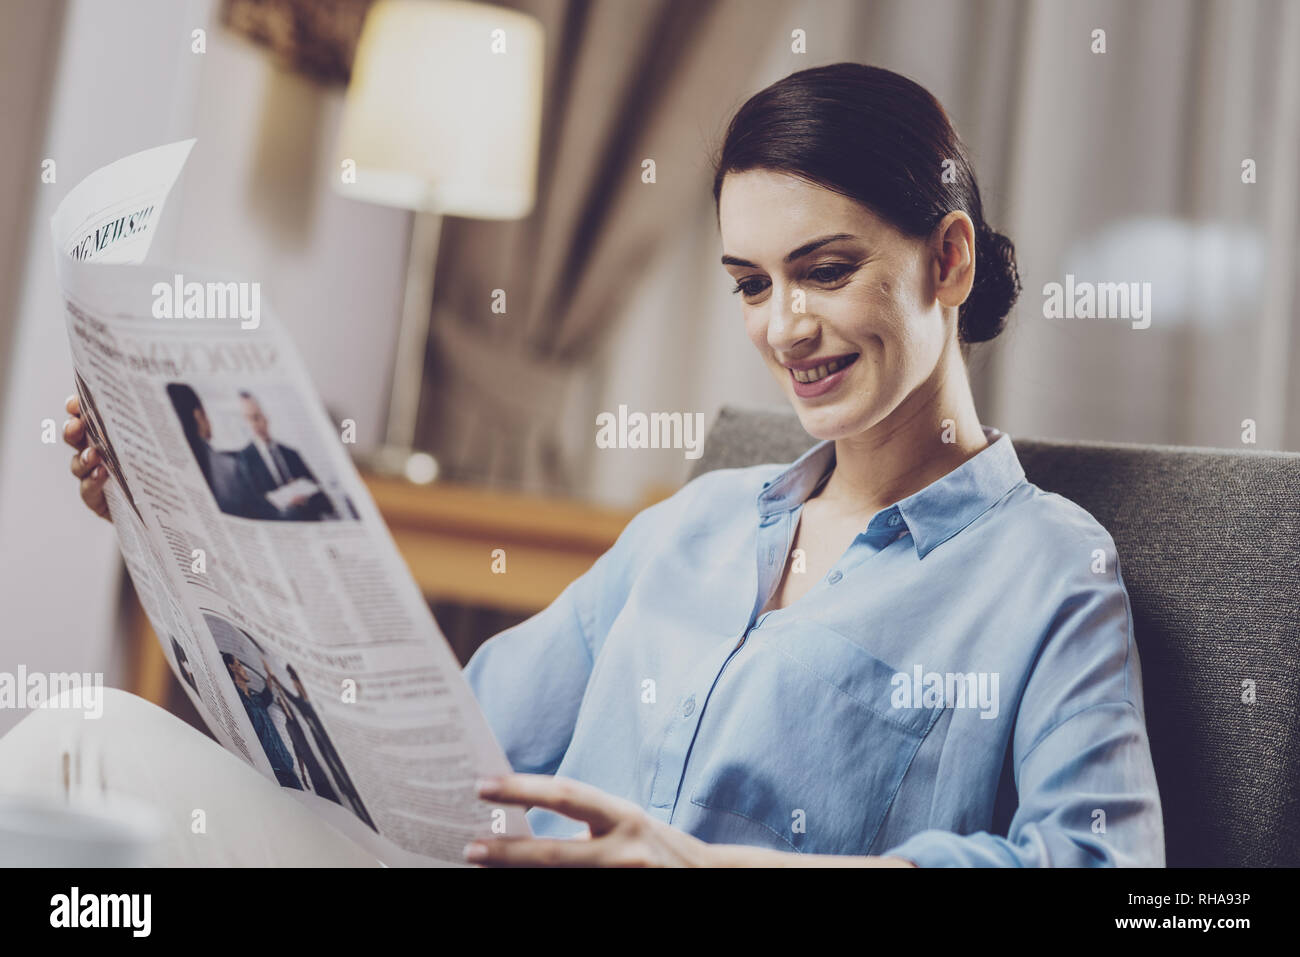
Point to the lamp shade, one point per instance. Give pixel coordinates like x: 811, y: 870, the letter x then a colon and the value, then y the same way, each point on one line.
x: 443, y: 111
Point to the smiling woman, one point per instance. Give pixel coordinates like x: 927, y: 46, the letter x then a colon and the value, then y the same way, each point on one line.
x: 693, y: 710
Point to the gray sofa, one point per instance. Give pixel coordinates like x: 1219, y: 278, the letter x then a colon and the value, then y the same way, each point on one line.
x: 1209, y: 542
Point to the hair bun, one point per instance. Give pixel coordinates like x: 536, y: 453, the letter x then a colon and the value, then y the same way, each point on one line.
x: 996, y: 287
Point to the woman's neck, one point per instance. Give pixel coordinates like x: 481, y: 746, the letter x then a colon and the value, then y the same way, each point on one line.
x: 911, y: 447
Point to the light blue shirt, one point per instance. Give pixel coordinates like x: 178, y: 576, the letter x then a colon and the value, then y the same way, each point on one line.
x: 961, y: 688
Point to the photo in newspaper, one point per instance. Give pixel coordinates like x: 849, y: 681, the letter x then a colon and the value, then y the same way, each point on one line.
x: 251, y: 472
x: 289, y: 729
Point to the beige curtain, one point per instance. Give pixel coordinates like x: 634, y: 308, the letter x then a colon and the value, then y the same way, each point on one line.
x: 1128, y: 167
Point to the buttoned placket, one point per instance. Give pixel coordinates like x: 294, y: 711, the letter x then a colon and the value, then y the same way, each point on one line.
x: 774, y: 528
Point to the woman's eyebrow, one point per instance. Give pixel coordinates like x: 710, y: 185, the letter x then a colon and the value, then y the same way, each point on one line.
x: 794, y: 254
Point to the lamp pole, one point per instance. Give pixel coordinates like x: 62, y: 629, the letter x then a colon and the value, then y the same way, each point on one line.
x: 399, y: 454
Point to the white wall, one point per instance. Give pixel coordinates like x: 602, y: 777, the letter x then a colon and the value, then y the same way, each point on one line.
x: 254, y: 198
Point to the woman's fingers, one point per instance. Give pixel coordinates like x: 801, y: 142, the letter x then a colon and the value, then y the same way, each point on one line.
x: 536, y: 852
x: 85, y: 461
x: 574, y: 799
x: 92, y: 491
x: 74, y: 433
x: 89, y: 468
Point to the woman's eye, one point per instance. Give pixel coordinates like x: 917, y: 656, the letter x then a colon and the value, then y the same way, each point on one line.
x: 750, y: 287
x: 831, y: 272
x: 827, y: 273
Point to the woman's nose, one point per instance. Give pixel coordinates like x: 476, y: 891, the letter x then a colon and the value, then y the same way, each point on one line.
x: 789, y: 321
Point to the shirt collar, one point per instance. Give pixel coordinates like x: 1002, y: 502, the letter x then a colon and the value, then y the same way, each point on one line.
x: 932, y: 515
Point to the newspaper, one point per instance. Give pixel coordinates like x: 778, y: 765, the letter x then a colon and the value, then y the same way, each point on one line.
x: 275, y: 588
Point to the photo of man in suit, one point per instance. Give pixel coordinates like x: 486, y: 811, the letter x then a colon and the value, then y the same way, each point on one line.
x: 284, y: 719
x: 298, y: 698
x: 267, y: 465
x: 230, y: 487
x: 258, y: 705
x: 310, y: 771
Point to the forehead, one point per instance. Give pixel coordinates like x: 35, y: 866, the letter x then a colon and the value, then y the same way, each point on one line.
x: 764, y: 214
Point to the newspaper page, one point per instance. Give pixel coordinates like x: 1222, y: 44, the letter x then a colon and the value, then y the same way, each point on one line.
x: 275, y: 588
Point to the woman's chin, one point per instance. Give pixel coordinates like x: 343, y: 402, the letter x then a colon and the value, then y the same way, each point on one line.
x: 834, y: 421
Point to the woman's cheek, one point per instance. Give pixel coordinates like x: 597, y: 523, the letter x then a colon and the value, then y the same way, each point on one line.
x: 755, y: 329
x: 876, y: 322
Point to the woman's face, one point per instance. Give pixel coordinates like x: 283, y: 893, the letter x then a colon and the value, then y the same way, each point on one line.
x: 864, y: 301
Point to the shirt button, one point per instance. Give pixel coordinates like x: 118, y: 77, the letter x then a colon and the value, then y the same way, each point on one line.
x: 771, y: 555
x: 893, y: 519
x: 688, y: 709
x: 835, y: 576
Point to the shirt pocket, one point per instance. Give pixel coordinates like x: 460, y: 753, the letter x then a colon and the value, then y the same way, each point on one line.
x: 800, y: 738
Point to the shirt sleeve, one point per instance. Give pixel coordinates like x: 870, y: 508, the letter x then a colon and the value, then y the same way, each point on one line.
x: 1083, y: 771
x: 530, y: 679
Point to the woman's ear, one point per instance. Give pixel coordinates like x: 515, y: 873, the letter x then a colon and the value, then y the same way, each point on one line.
x: 954, y: 258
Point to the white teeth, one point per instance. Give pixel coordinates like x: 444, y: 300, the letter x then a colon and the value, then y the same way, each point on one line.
x: 822, y: 371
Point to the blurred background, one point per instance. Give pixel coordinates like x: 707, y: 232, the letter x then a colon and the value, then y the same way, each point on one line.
x: 1168, y: 158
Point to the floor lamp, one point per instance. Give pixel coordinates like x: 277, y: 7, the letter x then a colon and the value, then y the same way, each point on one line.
x: 442, y: 117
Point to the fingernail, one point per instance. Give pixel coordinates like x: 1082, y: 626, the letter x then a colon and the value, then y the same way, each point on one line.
x: 99, y: 472
x: 85, y: 456
x: 487, y: 784
x: 474, y: 851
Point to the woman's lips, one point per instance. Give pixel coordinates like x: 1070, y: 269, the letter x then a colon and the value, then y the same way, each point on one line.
x: 808, y: 390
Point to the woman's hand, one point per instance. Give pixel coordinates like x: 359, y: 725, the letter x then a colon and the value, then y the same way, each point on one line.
x: 621, y: 834
x: 87, y: 463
